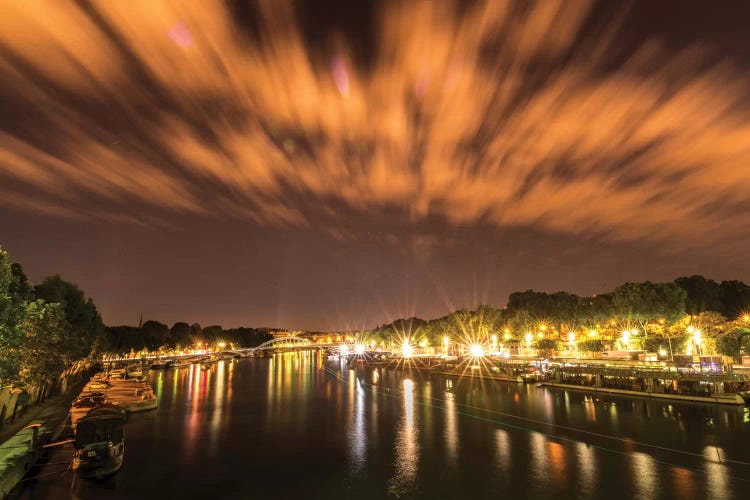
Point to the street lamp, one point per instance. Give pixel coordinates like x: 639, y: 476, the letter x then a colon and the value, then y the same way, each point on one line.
x: 406, y: 349
x: 476, y: 351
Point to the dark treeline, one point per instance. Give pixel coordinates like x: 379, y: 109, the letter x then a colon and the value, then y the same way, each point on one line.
x: 153, y: 335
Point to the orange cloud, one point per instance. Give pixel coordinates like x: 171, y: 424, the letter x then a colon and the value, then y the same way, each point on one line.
x: 478, y: 114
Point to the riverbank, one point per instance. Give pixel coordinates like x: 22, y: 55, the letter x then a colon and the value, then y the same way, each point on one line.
x: 22, y: 441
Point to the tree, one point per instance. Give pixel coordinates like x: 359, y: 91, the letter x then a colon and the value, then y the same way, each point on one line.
x: 81, y: 314
x: 212, y: 333
x: 649, y: 301
x: 155, y: 335
x: 179, y: 334
x: 12, y: 309
x: 42, y: 355
x: 546, y: 345
x: 123, y: 339
x: 735, y: 298
x: 702, y: 294
x: 196, y: 332
x: 732, y: 342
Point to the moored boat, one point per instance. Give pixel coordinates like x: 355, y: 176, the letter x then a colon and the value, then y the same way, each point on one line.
x: 100, y: 442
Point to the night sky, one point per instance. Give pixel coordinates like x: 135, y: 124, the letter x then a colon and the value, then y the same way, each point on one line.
x: 328, y: 165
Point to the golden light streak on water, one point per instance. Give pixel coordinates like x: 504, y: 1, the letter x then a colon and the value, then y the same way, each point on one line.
x: 406, y: 445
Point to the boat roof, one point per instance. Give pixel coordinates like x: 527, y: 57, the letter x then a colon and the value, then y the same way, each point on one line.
x: 103, y: 412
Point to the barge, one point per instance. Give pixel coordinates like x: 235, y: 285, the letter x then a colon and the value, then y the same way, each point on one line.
x: 654, y: 382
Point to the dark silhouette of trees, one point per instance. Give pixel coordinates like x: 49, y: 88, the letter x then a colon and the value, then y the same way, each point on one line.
x: 179, y: 335
x: 155, y: 334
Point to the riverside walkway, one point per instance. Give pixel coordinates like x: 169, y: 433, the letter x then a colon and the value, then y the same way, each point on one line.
x: 21, y: 440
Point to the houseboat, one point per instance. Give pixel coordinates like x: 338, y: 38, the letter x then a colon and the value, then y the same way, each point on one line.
x: 100, y: 442
x: 665, y: 382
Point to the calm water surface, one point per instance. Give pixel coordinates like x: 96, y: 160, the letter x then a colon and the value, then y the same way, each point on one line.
x: 296, y: 426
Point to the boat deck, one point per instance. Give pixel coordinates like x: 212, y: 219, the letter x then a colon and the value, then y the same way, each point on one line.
x: 132, y: 395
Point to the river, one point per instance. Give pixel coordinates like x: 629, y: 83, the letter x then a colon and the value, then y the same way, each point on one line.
x: 297, y: 426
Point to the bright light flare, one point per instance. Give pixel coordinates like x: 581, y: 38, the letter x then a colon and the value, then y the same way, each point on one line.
x: 344, y: 349
x: 407, y: 350
x: 476, y: 351
x: 359, y: 349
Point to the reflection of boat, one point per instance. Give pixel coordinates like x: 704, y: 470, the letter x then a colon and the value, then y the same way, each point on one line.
x: 100, y: 442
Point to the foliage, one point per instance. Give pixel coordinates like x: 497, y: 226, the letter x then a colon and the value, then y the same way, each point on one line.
x: 649, y: 301
x: 179, y: 335
x: 735, y: 298
x: 731, y: 343
x: 44, y: 352
x: 546, y: 345
x: 702, y: 294
x: 155, y: 335
x: 12, y: 310
x: 594, y: 345
x: 81, y: 314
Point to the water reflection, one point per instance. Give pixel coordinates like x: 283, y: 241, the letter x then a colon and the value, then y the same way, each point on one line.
x: 586, y: 468
x: 406, y: 446
x: 718, y: 475
x: 502, y: 451
x: 647, y: 474
x: 358, y: 435
x: 451, y: 428
x: 374, y: 433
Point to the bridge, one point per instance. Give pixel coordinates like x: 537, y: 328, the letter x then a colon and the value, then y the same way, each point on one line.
x: 277, y: 344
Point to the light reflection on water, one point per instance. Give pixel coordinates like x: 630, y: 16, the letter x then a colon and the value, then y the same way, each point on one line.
x: 406, y: 446
x: 451, y: 429
x: 374, y: 433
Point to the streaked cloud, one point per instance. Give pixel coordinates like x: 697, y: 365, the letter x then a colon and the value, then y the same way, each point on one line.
x: 496, y: 113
